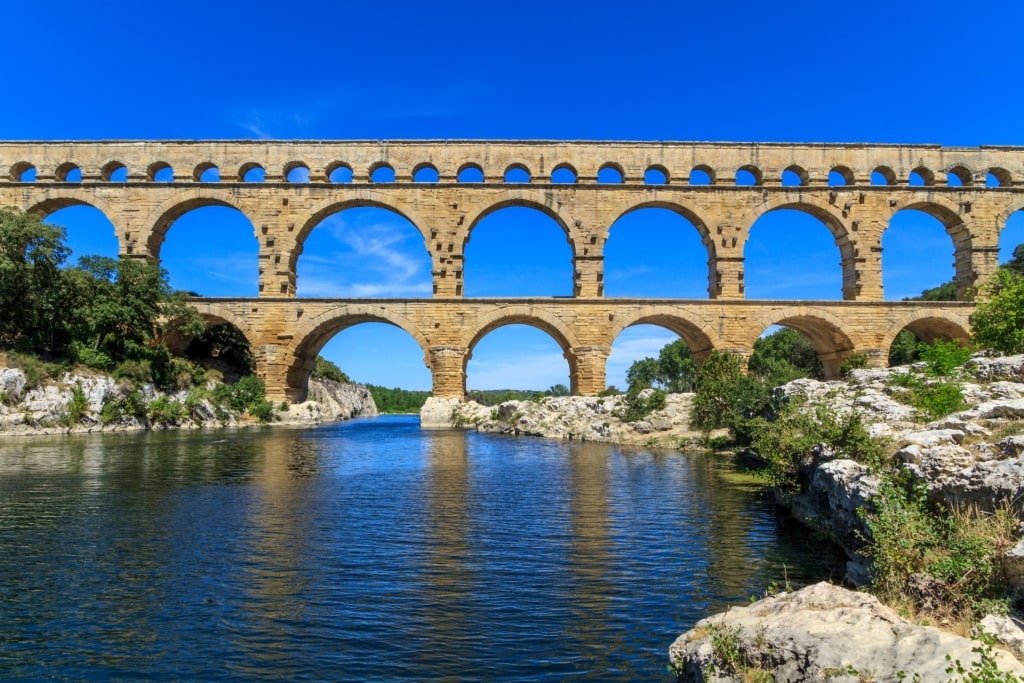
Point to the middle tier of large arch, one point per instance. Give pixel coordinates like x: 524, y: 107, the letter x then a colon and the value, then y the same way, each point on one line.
x: 283, y: 215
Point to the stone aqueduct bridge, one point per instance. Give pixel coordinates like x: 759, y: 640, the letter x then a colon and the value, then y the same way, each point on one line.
x: 143, y: 187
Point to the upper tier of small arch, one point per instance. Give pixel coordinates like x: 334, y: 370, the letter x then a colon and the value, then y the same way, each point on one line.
x: 767, y: 164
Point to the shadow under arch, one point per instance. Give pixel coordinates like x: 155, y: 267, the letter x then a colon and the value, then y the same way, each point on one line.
x: 826, y: 332
x: 828, y: 215
x: 313, y: 334
x: 367, y: 199
x: 182, y: 203
x: 215, y: 313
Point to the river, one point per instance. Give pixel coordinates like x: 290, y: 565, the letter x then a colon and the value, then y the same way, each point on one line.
x: 371, y: 551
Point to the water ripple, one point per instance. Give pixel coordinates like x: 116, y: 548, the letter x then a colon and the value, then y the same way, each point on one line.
x: 369, y: 551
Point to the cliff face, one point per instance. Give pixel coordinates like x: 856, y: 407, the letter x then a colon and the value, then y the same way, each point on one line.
x: 106, y: 404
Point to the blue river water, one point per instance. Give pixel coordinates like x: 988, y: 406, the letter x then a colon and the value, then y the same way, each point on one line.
x: 371, y: 551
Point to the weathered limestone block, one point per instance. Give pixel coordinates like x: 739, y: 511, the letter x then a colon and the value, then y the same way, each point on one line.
x: 824, y: 632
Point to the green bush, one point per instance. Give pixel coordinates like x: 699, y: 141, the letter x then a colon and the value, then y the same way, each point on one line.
x: 77, y: 406
x: 263, y: 411
x: 325, y: 369
x: 639, y: 403
x: 932, y: 399
x: 135, y: 371
x: 962, y: 549
x: 856, y: 361
x: 244, y: 395
x: 789, y: 440
x: 942, y: 357
x: 112, y: 411
x: 90, y: 357
x: 998, y: 322
x: 166, y: 411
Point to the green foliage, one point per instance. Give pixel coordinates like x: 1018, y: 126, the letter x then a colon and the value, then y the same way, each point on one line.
x: 166, y: 411
x: 785, y: 355
x: 904, y: 349
x: 112, y: 411
x: 325, y: 369
x: 932, y: 399
x: 31, y: 255
x: 944, y: 292
x: 611, y: 391
x: 90, y: 357
x: 397, y: 401
x: 998, y: 322
x: 78, y: 406
x: 726, y: 397
x: 856, y: 361
x: 226, y: 345
x: 558, y: 390
x: 674, y: 370
x: 962, y: 549
x: 263, y: 411
x: 638, y: 403
x: 494, y: 397
x: 985, y: 669
x: 244, y: 395
x: 942, y: 357
x: 789, y: 440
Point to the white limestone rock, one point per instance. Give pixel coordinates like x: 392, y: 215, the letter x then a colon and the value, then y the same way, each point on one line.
x: 824, y: 632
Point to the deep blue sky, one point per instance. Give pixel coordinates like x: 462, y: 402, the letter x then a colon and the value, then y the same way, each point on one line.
x: 939, y: 72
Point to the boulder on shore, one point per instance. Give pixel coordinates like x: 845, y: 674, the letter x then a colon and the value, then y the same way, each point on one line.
x: 822, y: 633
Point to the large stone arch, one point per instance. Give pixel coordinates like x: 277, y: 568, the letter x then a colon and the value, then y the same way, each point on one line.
x: 540, y: 200
x: 55, y: 200
x: 311, y: 335
x: 928, y: 327
x: 959, y: 225
x: 525, y: 314
x: 363, y: 199
x: 697, y: 334
x: 830, y: 215
x: 830, y: 336
x: 180, y: 203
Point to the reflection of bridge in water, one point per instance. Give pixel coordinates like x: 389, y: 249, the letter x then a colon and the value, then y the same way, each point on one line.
x: 445, y: 188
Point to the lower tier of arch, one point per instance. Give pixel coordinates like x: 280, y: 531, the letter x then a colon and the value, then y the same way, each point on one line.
x: 286, y: 334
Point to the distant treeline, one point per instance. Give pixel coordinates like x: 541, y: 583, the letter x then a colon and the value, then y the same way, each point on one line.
x: 405, y: 401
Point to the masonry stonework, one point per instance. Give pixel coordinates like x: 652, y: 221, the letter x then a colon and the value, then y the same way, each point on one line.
x: 445, y: 188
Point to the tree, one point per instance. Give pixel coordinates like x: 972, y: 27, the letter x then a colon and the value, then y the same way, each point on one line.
x: 998, y: 322
x: 785, y: 355
x: 1016, y: 262
x: 31, y: 255
x: 674, y: 370
x: 558, y: 390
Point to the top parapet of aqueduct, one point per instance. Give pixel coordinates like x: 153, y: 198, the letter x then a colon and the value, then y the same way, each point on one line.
x: 812, y: 163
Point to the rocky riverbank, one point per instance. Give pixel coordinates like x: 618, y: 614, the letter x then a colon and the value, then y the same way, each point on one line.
x: 972, y: 458
x: 81, y: 403
x: 573, y: 418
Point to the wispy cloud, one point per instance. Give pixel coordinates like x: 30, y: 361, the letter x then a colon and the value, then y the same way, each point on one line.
x: 362, y: 257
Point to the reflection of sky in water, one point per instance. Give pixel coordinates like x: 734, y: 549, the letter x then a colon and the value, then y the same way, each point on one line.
x: 368, y: 551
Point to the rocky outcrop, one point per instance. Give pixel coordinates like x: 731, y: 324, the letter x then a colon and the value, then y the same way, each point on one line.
x: 50, y: 407
x: 578, y: 418
x: 824, y: 633
x: 972, y: 458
